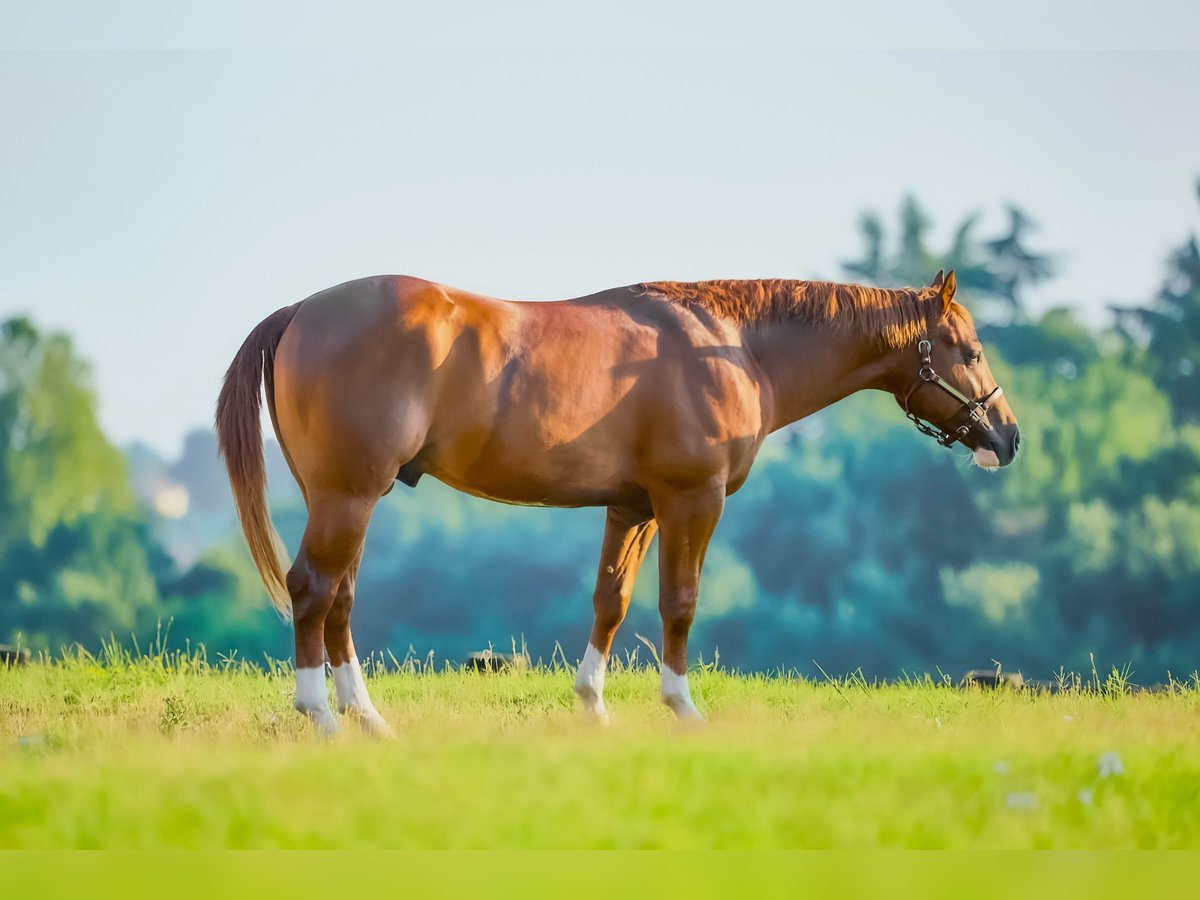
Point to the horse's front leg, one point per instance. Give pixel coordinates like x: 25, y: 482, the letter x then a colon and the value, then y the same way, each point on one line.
x: 687, y: 520
x: 627, y: 536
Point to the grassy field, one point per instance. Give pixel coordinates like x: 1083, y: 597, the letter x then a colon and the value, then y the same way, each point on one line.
x: 168, y: 751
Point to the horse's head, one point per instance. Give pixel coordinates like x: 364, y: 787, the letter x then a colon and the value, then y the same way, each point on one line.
x: 947, y: 387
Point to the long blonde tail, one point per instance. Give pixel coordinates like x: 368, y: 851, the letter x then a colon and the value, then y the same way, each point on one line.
x: 239, y: 437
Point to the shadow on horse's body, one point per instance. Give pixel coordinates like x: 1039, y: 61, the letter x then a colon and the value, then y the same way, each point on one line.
x: 651, y: 400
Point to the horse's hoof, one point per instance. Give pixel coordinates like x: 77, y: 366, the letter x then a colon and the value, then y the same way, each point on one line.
x: 597, y: 714
x: 593, y: 705
x: 691, y: 721
x: 685, y: 712
x: 377, y: 727
x: 325, y: 723
x: 369, y: 720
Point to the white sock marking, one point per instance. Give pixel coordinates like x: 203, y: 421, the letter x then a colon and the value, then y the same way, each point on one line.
x: 312, y: 699
x: 676, y: 694
x: 589, y: 683
x: 352, y: 697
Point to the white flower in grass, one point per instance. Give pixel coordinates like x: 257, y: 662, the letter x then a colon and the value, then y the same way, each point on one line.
x: 1086, y: 797
x: 1000, y: 766
x: 1110, y: 764
x: 1021, y: 800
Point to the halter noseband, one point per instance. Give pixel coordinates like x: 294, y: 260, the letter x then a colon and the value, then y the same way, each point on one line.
x: 975, y: 409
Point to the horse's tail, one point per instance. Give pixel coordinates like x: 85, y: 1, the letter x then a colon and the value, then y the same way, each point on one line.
x: 239, y: 438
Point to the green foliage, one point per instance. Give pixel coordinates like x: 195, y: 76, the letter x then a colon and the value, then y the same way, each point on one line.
x: 57, y: 464
x: 217, y: 602
x: 75, y: 562
x: 1169, y: 331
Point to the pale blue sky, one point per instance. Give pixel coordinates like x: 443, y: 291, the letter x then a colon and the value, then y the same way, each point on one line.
x: 158, y: 204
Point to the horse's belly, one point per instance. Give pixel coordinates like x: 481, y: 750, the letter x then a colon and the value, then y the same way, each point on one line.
x: 534, y: 480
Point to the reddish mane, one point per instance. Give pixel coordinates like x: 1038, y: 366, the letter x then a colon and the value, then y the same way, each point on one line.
x: 893, y: 317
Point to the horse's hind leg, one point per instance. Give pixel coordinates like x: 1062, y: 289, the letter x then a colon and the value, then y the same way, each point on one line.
x: 626, y: 539
x: 332, y: 540
x: 352, y: 697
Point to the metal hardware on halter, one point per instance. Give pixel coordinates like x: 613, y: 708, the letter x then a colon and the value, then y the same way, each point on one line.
x: 975, y: 409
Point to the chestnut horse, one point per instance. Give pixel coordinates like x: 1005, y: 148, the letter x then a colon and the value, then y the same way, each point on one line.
x: 651, y: 400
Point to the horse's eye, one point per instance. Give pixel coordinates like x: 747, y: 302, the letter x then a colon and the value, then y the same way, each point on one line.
x: 974, y: 357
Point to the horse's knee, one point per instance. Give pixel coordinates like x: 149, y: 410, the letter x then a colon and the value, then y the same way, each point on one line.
x: 610, y: 604
x: 678, y: 611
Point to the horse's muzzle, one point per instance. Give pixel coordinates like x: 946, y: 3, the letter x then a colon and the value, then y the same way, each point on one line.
x: 1004, y: 441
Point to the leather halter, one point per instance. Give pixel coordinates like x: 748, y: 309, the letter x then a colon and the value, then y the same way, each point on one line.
x: 975, y: 409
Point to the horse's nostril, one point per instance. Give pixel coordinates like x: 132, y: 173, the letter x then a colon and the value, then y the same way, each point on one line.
x: 1016, y: 442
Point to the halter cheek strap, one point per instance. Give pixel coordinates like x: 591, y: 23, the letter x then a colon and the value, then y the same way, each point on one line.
x: 975, y: 409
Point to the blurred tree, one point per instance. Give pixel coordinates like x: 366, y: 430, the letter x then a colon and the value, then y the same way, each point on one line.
x: 995, y: 271
x: 1170, y: 331
x: 1012, y: 265
x: 218, y: 604
x: 57, y: 464
x: 74, y: 558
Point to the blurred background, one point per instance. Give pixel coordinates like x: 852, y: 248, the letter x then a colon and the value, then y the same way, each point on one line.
x: 155, y: 206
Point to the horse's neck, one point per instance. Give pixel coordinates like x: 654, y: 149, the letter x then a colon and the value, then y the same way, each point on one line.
x: 810, y: 366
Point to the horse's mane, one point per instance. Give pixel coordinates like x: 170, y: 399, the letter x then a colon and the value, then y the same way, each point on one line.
x: 892, y: 317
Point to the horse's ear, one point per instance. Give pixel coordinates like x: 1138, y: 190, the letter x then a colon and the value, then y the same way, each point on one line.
x: 947, y: 290
x: 938, y: 280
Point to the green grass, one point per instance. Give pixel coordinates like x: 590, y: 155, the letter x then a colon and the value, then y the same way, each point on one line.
x: 168, y: 751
